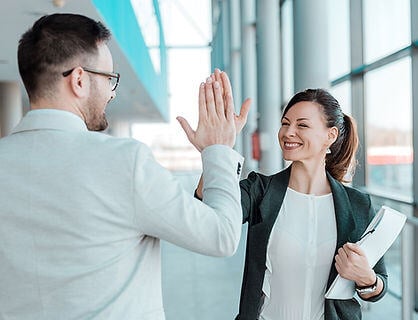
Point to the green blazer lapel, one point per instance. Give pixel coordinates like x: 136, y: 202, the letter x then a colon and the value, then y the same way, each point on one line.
x: 344, y: 219
x: 273, y: 199
x: 343, y: 211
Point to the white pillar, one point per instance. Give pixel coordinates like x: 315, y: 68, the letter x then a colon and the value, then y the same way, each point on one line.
x: 249, y: 79
x: 235, y: 60
x: 310, y: 44
x: 268, y: 57
x: 226, y: 42
x: 120, y: 128
x: 10, y: 106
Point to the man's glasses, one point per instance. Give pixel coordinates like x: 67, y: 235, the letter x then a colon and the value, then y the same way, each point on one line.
x: 113, y: 76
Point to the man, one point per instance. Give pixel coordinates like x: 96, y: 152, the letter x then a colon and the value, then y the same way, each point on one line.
x: 82, y: 212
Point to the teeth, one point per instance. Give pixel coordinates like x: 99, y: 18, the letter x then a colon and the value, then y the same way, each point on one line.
x: 288, y: 144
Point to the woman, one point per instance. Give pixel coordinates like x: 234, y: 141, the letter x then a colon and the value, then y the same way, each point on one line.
x: 302, y: 221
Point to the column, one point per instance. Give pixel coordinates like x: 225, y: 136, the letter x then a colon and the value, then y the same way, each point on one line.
x: 249, y: 80
x: 120, y: 128
x: 310, y: 44
x: 235, y: 60
x: 268, y: 57
x: 10, y: 106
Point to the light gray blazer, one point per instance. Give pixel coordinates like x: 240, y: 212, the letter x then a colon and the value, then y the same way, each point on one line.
x: 82, y: 213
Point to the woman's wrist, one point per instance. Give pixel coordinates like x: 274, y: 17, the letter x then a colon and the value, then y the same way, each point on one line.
x: 196, y: 195
x: 367, y: 281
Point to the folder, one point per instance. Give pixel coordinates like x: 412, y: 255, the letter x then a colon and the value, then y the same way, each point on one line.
x: 380, y: 234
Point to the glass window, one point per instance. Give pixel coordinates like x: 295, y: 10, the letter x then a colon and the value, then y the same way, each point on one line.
x: 144, y: 11
x: 386, y: 27
x: 388, y: 106
x: 287, y: 50
x: 342, y: 92
x: 339, y: 37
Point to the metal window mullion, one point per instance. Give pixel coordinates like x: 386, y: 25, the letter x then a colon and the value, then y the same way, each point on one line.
x: 414, y: 80
x: 357, y: 86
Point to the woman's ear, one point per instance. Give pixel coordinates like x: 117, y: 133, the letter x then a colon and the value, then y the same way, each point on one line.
x: 79, y: 82
x: 332, y: 134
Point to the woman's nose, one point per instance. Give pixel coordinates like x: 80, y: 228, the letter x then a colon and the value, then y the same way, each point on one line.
x: 290, y: 132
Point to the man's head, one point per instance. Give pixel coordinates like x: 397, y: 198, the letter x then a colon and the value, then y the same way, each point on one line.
x: 65, y: 55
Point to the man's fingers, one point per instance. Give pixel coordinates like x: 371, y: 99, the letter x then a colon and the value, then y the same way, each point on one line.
x: 226, y: 85
x: 218, y: 78
x: 210, y: 99
x: 219, y: 101
x: 217, y: 75
x: 202, y: 101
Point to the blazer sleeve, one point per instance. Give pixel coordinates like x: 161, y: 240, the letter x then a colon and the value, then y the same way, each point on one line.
x: 252, y: 191
x: 163, y: 209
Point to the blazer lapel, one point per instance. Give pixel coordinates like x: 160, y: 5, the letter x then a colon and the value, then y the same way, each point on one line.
x: 344, y: 218
x: 273, y: 200
x: 343, y: 211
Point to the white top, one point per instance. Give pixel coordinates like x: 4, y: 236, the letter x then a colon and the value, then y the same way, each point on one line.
x: 299, y: 257
x: 82, y: 215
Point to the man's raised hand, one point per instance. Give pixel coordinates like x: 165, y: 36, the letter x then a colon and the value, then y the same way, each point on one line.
x: 216, y: 123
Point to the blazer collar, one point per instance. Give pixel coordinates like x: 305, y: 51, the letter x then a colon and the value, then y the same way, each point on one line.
x: 272, y: 201
x: 343, y: 210
x: 50, y: 119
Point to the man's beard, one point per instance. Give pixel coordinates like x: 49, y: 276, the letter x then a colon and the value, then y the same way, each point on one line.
x: 97, y: 122
x: 96, y: 117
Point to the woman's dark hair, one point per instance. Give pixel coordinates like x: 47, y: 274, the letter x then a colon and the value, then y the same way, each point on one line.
x: 52, y: 42
x: 341, y: 160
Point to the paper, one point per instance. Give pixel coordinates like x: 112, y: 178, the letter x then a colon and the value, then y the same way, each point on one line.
x: 375, y: 241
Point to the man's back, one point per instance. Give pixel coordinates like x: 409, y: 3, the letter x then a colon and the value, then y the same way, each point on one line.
x: 80, y: 218
x: 70, y: 243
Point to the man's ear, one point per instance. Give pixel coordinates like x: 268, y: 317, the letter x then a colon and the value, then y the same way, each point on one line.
x: 79, y: 82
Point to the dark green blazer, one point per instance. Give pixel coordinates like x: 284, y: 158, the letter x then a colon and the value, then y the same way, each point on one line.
x: 261, y: 199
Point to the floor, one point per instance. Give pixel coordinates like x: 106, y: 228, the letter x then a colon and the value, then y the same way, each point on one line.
x: 206, y: 288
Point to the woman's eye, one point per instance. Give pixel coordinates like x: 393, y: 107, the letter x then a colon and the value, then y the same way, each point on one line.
x: 285, y: 124
x: 302, y: 125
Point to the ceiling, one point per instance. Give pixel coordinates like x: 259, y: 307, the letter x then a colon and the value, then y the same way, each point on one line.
x: 132, y: 102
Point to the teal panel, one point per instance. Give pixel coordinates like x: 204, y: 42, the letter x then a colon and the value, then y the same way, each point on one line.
x: 121, y: 20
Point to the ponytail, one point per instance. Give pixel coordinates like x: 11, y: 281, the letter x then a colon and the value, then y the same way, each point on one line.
x: 341, y: 162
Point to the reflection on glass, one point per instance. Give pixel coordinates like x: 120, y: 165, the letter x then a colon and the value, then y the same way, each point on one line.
x: 389, y: 128
x: 342, y: 92
x: 287, y: 50
x: 386, y: 27
x: 339, y: 37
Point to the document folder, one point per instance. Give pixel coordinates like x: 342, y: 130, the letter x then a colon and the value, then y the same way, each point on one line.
x: 375, y: 241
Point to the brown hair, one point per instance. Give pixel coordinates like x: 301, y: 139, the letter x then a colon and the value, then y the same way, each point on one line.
x: 341, y: 161
x: 52, y: 42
